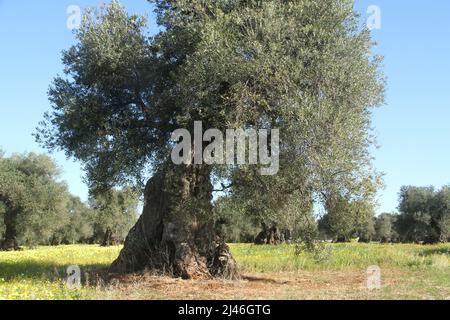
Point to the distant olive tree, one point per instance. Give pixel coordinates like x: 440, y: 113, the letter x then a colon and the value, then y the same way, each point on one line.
x: 346, y: 219
x: 292, y: 221
x: 32, y: 199
x: 424, y: 214
x: 115, y: 213
x: 80, y: 225
x: 385, y: 230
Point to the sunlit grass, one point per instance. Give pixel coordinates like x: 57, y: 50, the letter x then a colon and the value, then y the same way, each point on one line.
x: 341, y: 256
x: 41, y: 273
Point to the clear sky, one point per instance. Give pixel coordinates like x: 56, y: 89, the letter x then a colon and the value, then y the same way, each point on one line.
x: 412, y: 128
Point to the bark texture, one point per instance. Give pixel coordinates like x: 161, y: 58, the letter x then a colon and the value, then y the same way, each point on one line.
x: 174, y: 235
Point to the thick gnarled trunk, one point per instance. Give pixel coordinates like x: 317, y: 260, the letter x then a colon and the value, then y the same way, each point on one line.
x: 175, y: 234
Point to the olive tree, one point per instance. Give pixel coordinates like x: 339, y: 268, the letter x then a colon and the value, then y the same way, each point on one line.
x: 32, y: 198
x: 303, y: 67
x: 424, y: 214
x: 115, y: 213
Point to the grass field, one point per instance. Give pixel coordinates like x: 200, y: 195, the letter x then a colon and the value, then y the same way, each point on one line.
x: 269, y: 272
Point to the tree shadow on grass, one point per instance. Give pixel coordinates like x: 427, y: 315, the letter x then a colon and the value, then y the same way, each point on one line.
x: 435, y: 251
x: 33, y: 270
x: 262, y: 279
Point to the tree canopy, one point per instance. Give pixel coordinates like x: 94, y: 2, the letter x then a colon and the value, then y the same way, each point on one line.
x: 304, y: 67
x: 115, y: 213
x: 424, y: 214
x: 32, y: 198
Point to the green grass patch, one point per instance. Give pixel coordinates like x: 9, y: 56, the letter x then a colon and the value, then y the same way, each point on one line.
x: 253, y: 258
x: 41, y: 273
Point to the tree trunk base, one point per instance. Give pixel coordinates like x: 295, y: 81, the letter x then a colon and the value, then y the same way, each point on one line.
x: 171, y: 245
x: 204, y: 257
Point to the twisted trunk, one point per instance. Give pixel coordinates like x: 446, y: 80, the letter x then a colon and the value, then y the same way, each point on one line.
x: 175, y: 235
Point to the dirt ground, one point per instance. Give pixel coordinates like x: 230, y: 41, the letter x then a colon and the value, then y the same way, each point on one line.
x: 281, y: 285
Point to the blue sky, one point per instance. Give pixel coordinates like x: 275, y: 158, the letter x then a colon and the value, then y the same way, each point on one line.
x: 412, y: 128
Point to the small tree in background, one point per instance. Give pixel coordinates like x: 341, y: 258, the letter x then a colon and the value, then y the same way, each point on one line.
x: 115, y: 212
x: 338, y: 222
x: 413, y: 223
x: 364, y: 220
x: 385, y: 228
x: 303, y: 67
x: 293, y: 221
x: 233, y: 223
x: 424, y: 214
x: 346, y: 219
x: 440, y: 219
x: 33, y: 201
x: 80, y: 226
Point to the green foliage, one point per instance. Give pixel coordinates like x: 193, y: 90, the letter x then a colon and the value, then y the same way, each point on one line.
x: 345, y: 220
x: 441, y: 214
x: 385, y: 228
x: 115, y: 214
x: 304, y: 67
x: 37, y: 209
x: 80, y: 227
x: 102, y: 114
x: 32, y: 198
x: 364, y: 220
x: 295, y: 216
x: 424, y: 214
x: 233, y: 223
